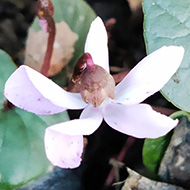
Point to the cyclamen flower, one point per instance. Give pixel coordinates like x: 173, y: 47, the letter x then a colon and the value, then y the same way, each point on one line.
x: 123, y: 110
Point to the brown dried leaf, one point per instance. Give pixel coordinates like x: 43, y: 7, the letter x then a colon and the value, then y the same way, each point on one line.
x: 63, y: 48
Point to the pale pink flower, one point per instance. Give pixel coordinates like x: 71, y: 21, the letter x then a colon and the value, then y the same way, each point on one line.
x: 125, y: 113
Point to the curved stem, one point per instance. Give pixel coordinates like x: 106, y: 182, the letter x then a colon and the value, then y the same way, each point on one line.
x: 49, y: 50
x: 45, y: 11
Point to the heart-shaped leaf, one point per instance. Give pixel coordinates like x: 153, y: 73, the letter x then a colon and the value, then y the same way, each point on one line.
x: 168, y: 23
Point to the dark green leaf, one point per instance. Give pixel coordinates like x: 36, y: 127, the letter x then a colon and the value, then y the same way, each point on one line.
x: 153, y: 152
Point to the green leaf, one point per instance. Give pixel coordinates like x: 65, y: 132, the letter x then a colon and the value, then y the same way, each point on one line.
x: 47, y: 119
x: 78, y: 15
x: 168, y: 23
x: 153, y: 152
x: 22, y: 154
x: 180, y: 114
x: 7, y: 67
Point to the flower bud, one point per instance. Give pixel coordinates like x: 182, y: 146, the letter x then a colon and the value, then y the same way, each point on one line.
x: 96, y: 85
x: 75, y: 82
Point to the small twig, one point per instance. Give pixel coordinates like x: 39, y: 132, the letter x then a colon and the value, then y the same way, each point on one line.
x: 129, y: 142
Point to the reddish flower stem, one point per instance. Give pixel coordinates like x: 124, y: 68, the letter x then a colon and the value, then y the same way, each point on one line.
x: 49, y: 50
x: 45, y: 11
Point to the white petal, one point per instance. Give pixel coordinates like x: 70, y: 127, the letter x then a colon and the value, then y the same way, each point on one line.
x: 64, y: 141
x: 96, y: 43
x: 31, y: 91
x: 63, y: 150
x: 89, y: 121
x: 138, y: 120
x: 149, y: 75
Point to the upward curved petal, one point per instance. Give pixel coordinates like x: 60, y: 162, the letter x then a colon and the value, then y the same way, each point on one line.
x: 31, y: 91
x: 149, y: 75
x: 63, y: 141
x: 138, y: 120
x: 96, y: 44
